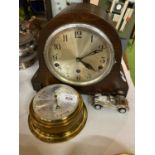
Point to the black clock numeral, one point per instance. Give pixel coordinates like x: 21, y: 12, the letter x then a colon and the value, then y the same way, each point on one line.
x: 78, y: 34
x: 57, y: 46
x: 65, y: 38
x: 101, y: 47
x: 55, y: 57
x: 102, y: 60
x: 78, y: 78
x: 91, y: 38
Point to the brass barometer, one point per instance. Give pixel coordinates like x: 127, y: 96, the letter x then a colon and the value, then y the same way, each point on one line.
x: 57, y: 113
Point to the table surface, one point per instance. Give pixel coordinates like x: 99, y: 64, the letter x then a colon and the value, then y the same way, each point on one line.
x: 107, y: 132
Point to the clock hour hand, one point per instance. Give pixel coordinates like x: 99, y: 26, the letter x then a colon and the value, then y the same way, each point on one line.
x: 92, y: 53
x: 85, y: 64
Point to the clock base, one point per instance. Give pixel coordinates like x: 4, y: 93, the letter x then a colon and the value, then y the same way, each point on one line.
x: 115, y: 83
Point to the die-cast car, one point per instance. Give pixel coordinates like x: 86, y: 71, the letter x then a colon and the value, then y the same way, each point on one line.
x: 118, y: 102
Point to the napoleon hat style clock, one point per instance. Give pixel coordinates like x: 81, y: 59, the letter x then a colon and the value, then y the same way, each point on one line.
x: 81, y: 48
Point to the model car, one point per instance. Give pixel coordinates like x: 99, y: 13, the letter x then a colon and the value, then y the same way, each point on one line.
x: 118, y: 102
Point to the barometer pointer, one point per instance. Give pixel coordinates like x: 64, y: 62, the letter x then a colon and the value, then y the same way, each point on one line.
x: 57, y: 106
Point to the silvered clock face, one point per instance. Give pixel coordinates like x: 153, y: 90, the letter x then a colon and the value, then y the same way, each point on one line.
x: 79, y: 54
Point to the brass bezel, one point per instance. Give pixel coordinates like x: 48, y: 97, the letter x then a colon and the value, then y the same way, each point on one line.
x: 60, y: 137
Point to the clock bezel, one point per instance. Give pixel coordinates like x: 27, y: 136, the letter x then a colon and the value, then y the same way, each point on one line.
x: 87, y: 27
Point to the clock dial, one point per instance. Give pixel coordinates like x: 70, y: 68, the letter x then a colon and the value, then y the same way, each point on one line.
x: 79, y: 54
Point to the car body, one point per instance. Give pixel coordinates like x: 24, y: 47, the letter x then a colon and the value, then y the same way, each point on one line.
x: 118, y: 102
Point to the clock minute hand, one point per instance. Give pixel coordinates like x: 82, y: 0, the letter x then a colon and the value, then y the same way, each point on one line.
x: 91, y: 53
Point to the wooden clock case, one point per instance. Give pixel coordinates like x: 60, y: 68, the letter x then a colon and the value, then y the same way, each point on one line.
x: 90, y: 14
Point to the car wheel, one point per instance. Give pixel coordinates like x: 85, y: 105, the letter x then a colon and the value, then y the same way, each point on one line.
x: 98, y: 107
x: 122, y: 110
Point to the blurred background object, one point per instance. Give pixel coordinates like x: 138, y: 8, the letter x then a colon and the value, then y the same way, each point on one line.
x: 44, y: 8
x: 95, y: 2
x: 122, y: 12
x: 27, y: 45
x: 39, y: 8
x: 58, y: 5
